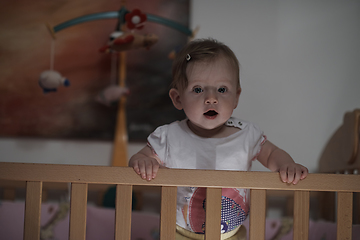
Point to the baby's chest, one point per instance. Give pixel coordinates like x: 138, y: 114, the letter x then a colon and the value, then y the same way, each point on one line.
x: 200, y: 155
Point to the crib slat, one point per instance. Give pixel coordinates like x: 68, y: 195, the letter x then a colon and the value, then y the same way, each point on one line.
x: 123, y: 212
x: 168, y: 213
x: 257, y: 213
x: 301, y: 215
x: 32, y: 210
x: 78, y: 204
x: 213, y: 214
x: 356, y: 208
x: 344, y: 215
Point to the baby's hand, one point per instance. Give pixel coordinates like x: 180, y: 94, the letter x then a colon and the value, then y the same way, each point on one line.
x: 292, y: 173
x: 146, y: 167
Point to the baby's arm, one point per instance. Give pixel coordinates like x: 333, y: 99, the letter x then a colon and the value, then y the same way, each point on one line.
x: 277, y: 160
x: 145, y: 163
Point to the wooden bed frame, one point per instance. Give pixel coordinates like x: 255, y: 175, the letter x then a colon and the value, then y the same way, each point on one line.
x: 125, y: 178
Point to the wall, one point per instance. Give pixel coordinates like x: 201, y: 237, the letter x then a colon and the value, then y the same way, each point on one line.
x: 300, y: 65
x: 300, y: 73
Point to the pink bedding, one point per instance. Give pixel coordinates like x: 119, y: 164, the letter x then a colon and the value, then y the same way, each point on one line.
x: 100, y: 222
x: 145, y: 226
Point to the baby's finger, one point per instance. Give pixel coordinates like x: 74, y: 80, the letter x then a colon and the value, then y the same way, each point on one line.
x: 149, y: 170
x: 297, y: 176
x: 283, y: 175
x: 290, y: 175
x: 155, y: 169
x: 135, y: 166
x: 142, y: 167
x: 305, y: 172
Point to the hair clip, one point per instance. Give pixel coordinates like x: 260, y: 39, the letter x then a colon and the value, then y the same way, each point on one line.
x: 188, y: 57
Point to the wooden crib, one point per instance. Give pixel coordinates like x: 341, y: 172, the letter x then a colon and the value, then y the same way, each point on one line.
x: 125, y: 178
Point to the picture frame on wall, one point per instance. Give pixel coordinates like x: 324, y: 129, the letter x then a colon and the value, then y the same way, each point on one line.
x: 72, y: 112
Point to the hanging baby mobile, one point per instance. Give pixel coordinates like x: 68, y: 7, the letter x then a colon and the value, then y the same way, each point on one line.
x: 119, y: 40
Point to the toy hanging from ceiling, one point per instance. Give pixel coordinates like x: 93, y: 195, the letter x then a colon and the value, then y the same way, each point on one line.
x: 119, y: 41
x: 50, y: 80
x: 122, y: 41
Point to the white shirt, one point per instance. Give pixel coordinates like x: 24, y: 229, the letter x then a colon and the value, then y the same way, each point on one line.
x: 178, y: 147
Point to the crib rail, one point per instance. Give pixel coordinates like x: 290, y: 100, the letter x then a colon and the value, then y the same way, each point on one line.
x: 125, y: 178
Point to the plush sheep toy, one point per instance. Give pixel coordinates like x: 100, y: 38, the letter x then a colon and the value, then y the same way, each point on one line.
x: 49, y: 81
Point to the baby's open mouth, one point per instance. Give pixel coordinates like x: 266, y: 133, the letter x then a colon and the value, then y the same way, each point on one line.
x: 211, y: 113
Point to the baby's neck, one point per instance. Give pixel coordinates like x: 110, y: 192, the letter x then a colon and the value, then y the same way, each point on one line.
x: 218, y: 132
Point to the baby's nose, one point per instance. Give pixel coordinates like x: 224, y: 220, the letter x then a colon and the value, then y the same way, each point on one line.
x: 211, y: 99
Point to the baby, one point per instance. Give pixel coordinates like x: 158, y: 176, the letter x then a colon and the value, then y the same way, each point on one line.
x: 206, y: 85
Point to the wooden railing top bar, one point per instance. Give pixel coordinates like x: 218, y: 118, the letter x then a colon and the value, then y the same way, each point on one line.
x: 174, y: 177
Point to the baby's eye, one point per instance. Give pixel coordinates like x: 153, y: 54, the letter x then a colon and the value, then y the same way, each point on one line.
x: 198, y: 90
x: 222, y: 90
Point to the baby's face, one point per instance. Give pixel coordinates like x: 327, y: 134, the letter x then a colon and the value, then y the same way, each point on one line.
x: 212, y: 93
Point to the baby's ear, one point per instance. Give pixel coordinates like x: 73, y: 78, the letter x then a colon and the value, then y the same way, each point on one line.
x: 175, y: 98
x: 238, y: 92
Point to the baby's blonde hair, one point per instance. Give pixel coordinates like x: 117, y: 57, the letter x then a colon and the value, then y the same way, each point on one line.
x: 200, y: 50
